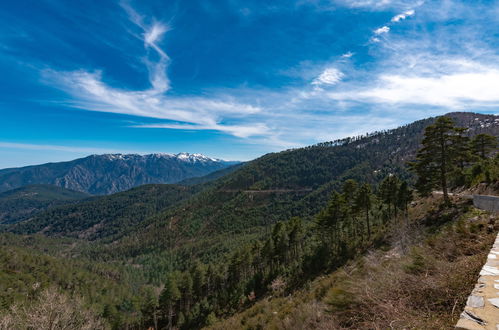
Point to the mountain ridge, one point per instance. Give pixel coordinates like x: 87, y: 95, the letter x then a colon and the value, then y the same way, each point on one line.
x: 111, y: 173
x: 296, y: 182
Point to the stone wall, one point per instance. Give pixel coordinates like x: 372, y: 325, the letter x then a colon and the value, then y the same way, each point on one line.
x: 487, y: 203
x: 482, y: 307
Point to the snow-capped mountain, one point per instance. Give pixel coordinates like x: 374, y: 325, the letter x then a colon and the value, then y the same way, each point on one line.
x: 110, y: 173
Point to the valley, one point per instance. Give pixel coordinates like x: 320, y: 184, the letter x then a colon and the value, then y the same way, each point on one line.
x: 249, y: 245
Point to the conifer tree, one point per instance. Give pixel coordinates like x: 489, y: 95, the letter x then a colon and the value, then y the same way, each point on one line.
x: 169, y: 297
x: 363, y: 202
x: 329, y: 220
x: 349, y: 189
x: 296, y: 233
x: 438, y: 157
x: 404, y: 197
x: 483, y: 144
x: 388, y: 192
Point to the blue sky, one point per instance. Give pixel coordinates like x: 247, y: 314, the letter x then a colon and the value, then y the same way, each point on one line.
x: 233, y: 79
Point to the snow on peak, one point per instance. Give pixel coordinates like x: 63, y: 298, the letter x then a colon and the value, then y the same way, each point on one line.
x: 185, y: 156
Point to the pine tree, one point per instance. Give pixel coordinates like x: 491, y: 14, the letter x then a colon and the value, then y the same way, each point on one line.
x: 330, y: 220
x: 349, y: 189
x: 388, y: 189
x: 404, y: 197
x: 281, y: 241
x: 169, y: 297
x: 438, y: 157
x: 363, y: 202
x: 198, y: 273
x: 296, y: 234
x: 483, y: 144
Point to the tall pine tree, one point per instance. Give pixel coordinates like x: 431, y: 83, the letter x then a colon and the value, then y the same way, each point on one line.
x: 483, y: 144
x: 439, y: 156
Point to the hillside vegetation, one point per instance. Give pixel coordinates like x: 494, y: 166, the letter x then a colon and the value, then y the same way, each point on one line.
x: 271, y: 227
x: 277, y: 187
x: 105, y: 217
x: 419, y: 278
x: 19, y: 204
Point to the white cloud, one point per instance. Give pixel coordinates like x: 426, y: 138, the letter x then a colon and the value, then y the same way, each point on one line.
x: 92, y: 93
x: 242, y: 131
x: 403, y: 16
x: 366, y: 3
x: 151, y: 35
x: 414, y: 71
x: 330, y: 76
x: 464, y: 84
x: 155, y: 33
x: 381, y: 30
x: 377, y: 5
x: 27, y: 146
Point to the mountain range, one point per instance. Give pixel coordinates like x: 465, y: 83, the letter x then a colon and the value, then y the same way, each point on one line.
x: 206, y: 225
x: 245, y: 198
x: 111, y: 173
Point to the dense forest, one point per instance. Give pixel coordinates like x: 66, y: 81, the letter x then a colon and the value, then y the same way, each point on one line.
x: 19, y: 204
x: 188, y: 255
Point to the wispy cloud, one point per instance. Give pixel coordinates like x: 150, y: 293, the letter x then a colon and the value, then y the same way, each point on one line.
x: 413, y: 70
x: 366, y: 3
x: 381, y: 30
x: 90, y: 92
x: 152, y: 35
x: 377, y: 5
x: 403, y: 16
x: 242, y: 131
x: 49, y: 147
x: 330, y: 76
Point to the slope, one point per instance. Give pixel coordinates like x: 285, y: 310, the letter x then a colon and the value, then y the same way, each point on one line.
x: 295, y: 182
x: 107, y: 216
x: 244, y: 202
x: 419, y: 279
x: 19, y: 204
x: 26, y: 274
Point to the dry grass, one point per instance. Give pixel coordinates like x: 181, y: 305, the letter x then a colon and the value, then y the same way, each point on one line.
x: 421, y: 283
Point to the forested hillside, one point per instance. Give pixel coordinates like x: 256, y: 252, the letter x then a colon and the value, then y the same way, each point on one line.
x: 19, y: 204
x: 267, y: 227
x: 105, y: 217
x: 279, y: 186
x: 241, y: 204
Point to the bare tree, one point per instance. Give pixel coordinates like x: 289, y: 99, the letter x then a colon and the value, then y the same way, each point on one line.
x: 52, y: 310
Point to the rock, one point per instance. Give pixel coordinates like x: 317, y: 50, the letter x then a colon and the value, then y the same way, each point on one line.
x: 475, y: 301
x: 494, y: 301
x: 470, y: 316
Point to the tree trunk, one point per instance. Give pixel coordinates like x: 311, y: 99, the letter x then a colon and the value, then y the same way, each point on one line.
x: 368, y: 224
x: 170, y: 316
x: 443, y: 170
